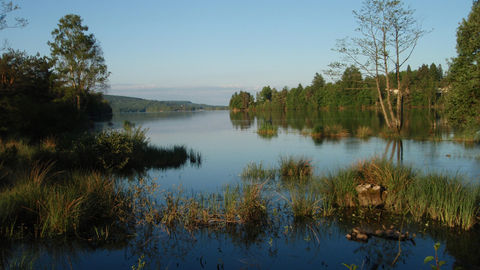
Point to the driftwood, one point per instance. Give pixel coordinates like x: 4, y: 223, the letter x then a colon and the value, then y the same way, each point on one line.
x: 363, y: 235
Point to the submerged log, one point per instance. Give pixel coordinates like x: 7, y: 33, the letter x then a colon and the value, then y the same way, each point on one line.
x: 362, y: 235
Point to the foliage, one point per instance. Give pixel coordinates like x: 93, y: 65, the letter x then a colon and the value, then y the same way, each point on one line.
x: 78, y: 58
x: 438, y: 264
x: 463, y: 99
x: 241, y: 101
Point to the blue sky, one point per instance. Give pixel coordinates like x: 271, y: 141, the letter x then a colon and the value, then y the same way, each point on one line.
x: 204, y: 50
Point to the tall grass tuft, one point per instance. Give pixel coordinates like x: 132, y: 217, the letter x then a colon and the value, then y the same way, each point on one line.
x: 295, y: 168
x: 305, y: 201
x: 258, y: 172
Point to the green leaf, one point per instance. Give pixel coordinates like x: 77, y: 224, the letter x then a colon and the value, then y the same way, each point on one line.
x: 441, y: 263
x: 437, y: 246
x: 428, y: 259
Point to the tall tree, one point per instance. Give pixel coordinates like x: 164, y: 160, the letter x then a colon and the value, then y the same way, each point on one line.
x: 388, y: 34
x: 78, y: 58
x: 463, y: 97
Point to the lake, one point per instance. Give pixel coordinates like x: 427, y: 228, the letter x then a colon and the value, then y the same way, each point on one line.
x: 227, y: 142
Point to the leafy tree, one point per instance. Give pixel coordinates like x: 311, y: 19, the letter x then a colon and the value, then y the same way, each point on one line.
x: 264, y: 95
x: 463, y: 98
x: 78, y: 59
x: 241, y: 101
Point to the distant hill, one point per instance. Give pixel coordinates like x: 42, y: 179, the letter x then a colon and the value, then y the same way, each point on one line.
x: 131, y: 104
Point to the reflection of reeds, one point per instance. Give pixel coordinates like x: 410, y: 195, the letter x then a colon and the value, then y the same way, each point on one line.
x: 364, y: 132
x: 330, y: 131
x: 268, y: 130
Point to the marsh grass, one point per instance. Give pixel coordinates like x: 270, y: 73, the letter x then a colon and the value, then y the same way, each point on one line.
x: 438, y: 197
x: 258, y: 172
x: 305, y: 202
x: 238, y: 205
x: 295, y: 168
x: 44, y: 204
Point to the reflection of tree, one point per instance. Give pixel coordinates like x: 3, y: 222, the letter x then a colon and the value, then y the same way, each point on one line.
x: 396, y: 149
x: 242, y: 119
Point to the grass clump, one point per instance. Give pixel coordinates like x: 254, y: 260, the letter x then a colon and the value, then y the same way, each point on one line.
x: 305, y: 202
x: 254, y: 171
x: 298, y: 168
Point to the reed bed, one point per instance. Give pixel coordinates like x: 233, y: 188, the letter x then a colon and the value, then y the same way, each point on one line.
x: 438, y: 197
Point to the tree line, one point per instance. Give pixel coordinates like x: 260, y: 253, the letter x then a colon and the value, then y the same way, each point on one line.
x: 352, y: 90
x: 374, y: 73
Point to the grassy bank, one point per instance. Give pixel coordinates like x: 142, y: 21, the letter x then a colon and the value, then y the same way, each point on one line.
x: 67, y: 187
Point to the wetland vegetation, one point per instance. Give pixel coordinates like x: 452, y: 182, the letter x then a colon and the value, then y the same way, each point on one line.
x: 62, y: 181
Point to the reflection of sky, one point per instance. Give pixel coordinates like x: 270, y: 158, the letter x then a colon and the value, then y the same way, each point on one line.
x: 226, y: 150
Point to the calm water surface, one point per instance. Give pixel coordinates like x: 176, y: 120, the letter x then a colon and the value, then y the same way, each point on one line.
x: 227, y: 144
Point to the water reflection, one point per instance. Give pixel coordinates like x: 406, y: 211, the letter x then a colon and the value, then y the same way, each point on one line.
x: 319, y: 244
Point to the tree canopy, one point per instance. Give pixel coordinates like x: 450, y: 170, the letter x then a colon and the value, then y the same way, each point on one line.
x: 78, y: 57
x: 463, y: 99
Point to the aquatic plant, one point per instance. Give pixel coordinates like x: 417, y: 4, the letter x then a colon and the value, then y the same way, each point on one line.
x: 254, y: 171
x: 437, y: 262
x: 434, y: 196
x: 44, y: 204
x: 295, y: 168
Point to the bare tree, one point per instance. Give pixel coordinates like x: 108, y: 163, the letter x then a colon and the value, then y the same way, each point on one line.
x: 388, y: 35
x: 7, y: 7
